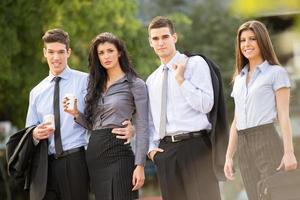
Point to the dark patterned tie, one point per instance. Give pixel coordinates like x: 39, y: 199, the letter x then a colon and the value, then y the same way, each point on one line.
x: 57, y: 135
x: 163, y: 107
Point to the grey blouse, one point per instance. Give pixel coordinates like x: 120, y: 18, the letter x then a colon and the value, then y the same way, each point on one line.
x: 121, y: 100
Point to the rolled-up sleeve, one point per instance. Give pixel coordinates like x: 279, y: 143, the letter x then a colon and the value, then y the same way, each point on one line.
x: 32, y: 115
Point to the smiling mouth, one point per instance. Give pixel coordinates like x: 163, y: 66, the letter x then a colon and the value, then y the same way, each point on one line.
x: 56, y: 64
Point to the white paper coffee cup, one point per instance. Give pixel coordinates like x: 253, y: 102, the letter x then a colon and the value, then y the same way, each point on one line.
x: 71, y: 97
x: 49, y: 119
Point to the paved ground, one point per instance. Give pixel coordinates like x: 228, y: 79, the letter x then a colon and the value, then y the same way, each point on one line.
x: 150, y: 198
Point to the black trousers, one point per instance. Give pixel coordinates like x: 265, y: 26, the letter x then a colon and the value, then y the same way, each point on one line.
x: 185, y: 170
x: 68, y: 178
x: 260, y: 151
x: 111, y: 165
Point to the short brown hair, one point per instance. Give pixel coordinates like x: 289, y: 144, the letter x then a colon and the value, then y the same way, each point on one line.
x: 56, y: 35
x: 161, y: 22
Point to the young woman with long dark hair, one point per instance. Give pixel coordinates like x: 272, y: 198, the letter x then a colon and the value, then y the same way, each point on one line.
x: 114, y: 95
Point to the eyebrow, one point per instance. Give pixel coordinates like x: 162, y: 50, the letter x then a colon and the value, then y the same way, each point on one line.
x: 163, y: 36
x: 60, y: 50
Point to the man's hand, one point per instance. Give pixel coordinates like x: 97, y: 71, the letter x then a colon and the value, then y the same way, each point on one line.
x: 125, y: 133
x: 152, y: 153
x: 43, y: 131
x: 179, y: 69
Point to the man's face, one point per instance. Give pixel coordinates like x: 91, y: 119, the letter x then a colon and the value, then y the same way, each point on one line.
x: 163, y: 42
x: 57, y: 56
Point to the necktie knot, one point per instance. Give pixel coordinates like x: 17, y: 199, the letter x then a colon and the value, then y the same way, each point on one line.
x: 56, y: 79
x: 165, y: 68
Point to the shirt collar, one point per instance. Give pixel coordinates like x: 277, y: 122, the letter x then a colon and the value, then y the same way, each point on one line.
x: 261, y: 67
x: 64, y: 75
x: 177, y: 57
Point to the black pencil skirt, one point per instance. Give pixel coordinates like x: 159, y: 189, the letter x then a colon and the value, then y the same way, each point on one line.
x: 111, y: 165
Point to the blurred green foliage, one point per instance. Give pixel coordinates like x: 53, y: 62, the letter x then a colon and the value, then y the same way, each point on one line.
x: 205, y: 27
x: 23, y: 23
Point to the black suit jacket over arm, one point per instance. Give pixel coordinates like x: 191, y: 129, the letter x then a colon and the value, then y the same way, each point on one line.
x: 219, y: 134
x: 29, y: 162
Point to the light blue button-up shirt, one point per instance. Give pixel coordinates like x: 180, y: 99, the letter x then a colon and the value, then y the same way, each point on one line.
x: 187, y: 105
x: 255, y: 103
x: 41, y: 104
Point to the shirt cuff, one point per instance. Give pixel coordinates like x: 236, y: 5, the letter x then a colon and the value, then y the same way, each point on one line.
x: 35, y: 141
x: 79, y: 119
x: 153, y: 145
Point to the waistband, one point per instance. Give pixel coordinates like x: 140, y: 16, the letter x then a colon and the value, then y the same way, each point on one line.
x: 65, y: 153
x: 256, y: 129
x: 184, y: 136
x: 104, y: 130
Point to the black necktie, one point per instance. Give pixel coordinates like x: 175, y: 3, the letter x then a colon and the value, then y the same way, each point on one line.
x: 57, y: 136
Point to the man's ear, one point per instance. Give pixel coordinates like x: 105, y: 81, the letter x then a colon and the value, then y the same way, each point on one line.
x: 69, y: 51
x: 174, y: 37
x: 45, y: 52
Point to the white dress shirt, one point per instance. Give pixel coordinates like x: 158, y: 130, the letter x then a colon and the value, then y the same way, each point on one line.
x: 187, y: 105
x: 41, y: 104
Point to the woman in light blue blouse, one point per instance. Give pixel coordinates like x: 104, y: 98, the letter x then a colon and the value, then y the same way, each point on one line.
x: 261, y: 93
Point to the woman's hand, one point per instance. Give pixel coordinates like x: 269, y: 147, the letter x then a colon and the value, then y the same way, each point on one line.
x: 138, y: 177
x: 228, y: 169
x: 288, y: 161
x: 74, y: 112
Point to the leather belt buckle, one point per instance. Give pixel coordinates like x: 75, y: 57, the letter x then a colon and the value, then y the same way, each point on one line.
x: 66, y: 153
x: 57, y: 156
x: 173, y: 139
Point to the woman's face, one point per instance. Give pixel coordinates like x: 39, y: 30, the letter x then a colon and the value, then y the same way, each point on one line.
x: 108, y: 55
x: 249, y: 46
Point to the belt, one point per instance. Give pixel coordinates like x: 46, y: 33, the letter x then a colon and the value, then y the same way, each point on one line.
x: 65, y: 153
x: 184, y: 136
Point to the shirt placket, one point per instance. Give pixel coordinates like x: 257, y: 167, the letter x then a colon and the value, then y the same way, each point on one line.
x: 247, y: 95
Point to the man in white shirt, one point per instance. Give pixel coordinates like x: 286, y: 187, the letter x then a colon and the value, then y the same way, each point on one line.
x: 180, y: 96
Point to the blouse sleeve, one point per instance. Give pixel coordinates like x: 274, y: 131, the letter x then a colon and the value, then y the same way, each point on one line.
x: 140, y: 94
x: 82, y: 121
x: 281, y: 79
